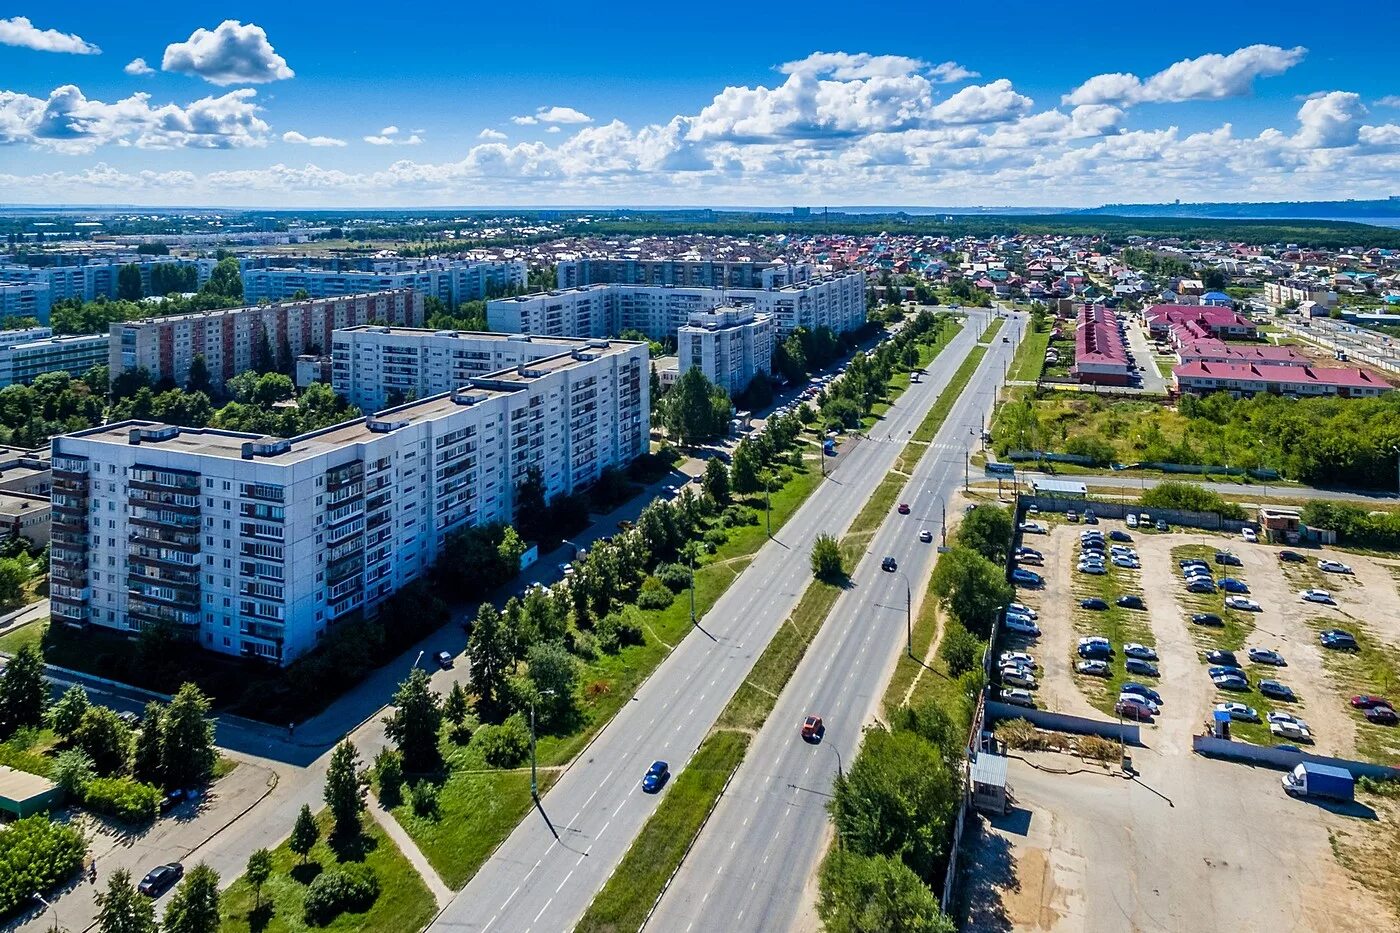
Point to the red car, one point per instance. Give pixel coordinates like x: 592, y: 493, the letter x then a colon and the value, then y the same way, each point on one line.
x: 1133, y: 711
x: 1365, y: 701
x: 813, y: 728
x: 1382, y: 716
x: 904, y: 508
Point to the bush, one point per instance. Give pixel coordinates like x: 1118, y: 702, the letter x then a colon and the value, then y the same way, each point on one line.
x: 1100, y: 452
x: 584, y: 644
x: 36, y: 855
x: 675, y: 576
x: 716, y: 537
x: 1098, y: 748
x: 654, y: 594
x: 461, y: 732
x: 959, y: 649
x: 736, y: 516
x: 388, y: 770
x: 1019, y: 733
x: 126, y: 799
x: 1173, y: 494
x: 423, y: 798
x: 617, y: 630
x: 826, y: 559
x: 72, y: 769
x: 506, y: 745
x: 350, y: 888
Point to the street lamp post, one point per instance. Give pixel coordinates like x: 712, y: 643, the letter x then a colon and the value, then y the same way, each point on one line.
x: 534, y: 783
x: 690, y: 557
x: 768, y: 501
x: 908, y: 613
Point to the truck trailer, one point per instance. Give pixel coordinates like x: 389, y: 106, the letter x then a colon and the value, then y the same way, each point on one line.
x: 1309, y: 779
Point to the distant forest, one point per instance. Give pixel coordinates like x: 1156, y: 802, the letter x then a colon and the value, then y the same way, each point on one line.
x: 1386, y: 209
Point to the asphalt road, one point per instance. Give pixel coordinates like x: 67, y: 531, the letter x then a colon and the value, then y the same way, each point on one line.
x: 539, y: 881
x: 751, y: 865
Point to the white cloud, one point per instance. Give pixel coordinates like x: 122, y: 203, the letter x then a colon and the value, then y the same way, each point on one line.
x: 391, y: 136
x: 844, y: 66
x: 138, y: 66
x: 553, y: 129
x: 982, y: 103
x: 69, y: 122
x: 292, y: 136
x: 19, y: 31
x: 524, y: 121
x: 951, y: 73
x: 231, y: 53
x: 1390, y: 100
x: 489, y: 133
x: 552, y: 115
x: 1209, y: 77
x: 1330, y: 121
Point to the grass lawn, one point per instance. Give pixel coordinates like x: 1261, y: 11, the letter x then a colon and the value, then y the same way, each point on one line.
x: 27, y: 750
x: 990, y: 333
x: 623, y: 903
x: 1030, y: 357
x: 31, y: 633
x: 900, y: 380
x: 1119, y: 625
x: 404, y: 902
x: 1371, y: 669
x: 877, y: 507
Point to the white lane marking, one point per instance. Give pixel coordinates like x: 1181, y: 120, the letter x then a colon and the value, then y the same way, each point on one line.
x: 562, y: 883
x: 489, y: 922
x: 511, y: 895
x: 603, y: 830
x: 542, y: 910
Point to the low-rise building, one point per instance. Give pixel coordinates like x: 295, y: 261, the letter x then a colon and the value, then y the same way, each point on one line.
x: 1246, y: 379
x: 1218, y: 351
x: 729, y: 345
x: 1185, y: 323
x: 1100, y: 352
x: 1296, y: 291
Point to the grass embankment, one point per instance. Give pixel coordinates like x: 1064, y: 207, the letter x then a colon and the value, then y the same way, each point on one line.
x: 1366, y: 848
x: 29, y: 750
x: 928, y: 428
x: 404, y: 902
x: 898, y: 382
x: 1370, y: 669
x: 31, y: 633
x: 1030, y: 357
x: 1119, y: 625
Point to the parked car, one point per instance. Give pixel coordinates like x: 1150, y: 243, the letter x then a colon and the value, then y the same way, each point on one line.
x: 656, y: 777
x: 1094, y: 668
x: 1200, y: 586
x: 1017, y: 659
x: 1129, y: 563
x: 1161, y: 524
x: 1206, y: 618
x: 1249, y: 535
x: 1131, y: 602
x: 1226, y: 559
x: 889, y: 564
x: 813, y: 729
x: 1288, y: 729
x: 1117, y: 535
x: 1023, y: 552
x: 1222, y: 656
x: 1231, y: 682
x: 1239, y: 711
x: 1141, y: 690
x: 925, y: 536
x: 1291, y: 557
x: 1333, y: 566
x: 160, y: 879
x: 1090, y: 518
x: 1018, y: 677
x: 1026, y: 578
x: 1243, y: 604
x: 1193, y: 562
x: 1382, y: 716
x: 1096, y: 570
x: 1366, y: 701
x: 1024, y: 610
x: 1130, y: 710
x: 1139, y: 666
x: 444, y: 659
x: 1318, y: 596
x: 1231, y: 585
x: 1131, y: 521
x: 1095, y: 652
x: 1221, y: 670
x: 1134, y: 650
x: 1018, y: 626
x: 1018, y: 697
x: 1267, y: 656
x: 1338, y: 640
x: 1033, y: 528
x: 1072, y: 516
x: 1093, y: 604
x: 1277, y: 691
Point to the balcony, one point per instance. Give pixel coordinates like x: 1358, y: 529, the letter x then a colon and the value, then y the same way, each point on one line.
x: 143, y: 612
x: 341, y: 532
x: 71, y: 523
x: 181, y: 541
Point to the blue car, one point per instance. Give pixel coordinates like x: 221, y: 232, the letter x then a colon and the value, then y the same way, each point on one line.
x: 1231, y: 585
x: 1221, y: 670
x: 1026, y: 577
x: 1139, y: 666
x: 1142, y: 690
x: 656, y: 777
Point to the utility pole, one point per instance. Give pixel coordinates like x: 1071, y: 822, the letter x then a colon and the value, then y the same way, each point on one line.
x: 691, y: 556
x: 967, y: 470
x: 534, y: 784
x: 943, y: 529
x: 767, y: 501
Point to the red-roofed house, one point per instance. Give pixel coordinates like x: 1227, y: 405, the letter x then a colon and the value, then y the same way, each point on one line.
x: 1194, y: 322
x: 1100, y: 355
x: 1252, y: 378
x: 1211, y: 350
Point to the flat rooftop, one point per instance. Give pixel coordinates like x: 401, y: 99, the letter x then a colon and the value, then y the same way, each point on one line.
x: 221, y: 312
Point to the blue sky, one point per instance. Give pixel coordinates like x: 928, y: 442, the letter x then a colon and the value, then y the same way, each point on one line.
x: 551, y: 104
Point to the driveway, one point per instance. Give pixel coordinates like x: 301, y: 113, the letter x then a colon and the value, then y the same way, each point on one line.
x: 1152, y: 379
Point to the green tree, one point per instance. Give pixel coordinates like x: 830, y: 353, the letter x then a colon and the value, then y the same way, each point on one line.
x: 876, y: 894
x: 971, y: 588
x: 553, y: 674
x: 689, y: 412
x: 345, y: 789
x: 743, y: 475
x: 511, y: 549
x: 388, y: 769
x: 106, y: 740
x: 23, y: 693
x: 67, y: 714
x: 897, y: 799
x: 199, y: 375
x: 146, y: 757
x: 187, y: 739
x: 225, y: 280
x: 120, y: 909
x: 414, y: 724
x: 129, y: 282
x: 827, y: 563
x: 489, y: 654
x: 71, y: 770
x: 258, y: 870
x: 13, y: 575
x: 959, y: 649
x: 454, y: 706
x: 305, y: 833
x: 716, y: 481
x: 194, y: 907
x: 986, y: 530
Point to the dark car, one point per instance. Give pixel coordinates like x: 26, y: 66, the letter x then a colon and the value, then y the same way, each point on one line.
x: 1142, y: 690
x: 1135, y: 711
x: 1094, y: 603
x: 1200, y: 586
x: 1207, y: 618
x: 1231, y: 585
x: 889, y: 564
x: 1228, y: 559
x: 172, y: 799
x: 1131, y: 602
x: 813, y: 729
x: 1139, y: 666
x: 1223, y: 657
x: 1338, y: 640
x: 444, y: 659
x: 904, y: 508
x: 1382, y: 716
x: 1231, y: 682
x: 1101, y: 652
x: 1193, y: 562
x: 159, y: 879
x: 656, y: 776
x: 1292, y: 557
x: 1276, y: 690
x: 1119, y: 536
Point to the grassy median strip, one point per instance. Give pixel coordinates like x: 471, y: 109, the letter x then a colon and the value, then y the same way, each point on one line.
x: 990, y: 333
x: 1030, y: 356
x: 933, y: 421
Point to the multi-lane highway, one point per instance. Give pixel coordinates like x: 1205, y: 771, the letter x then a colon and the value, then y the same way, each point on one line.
x: 538, y: 880
x: 753, y: 862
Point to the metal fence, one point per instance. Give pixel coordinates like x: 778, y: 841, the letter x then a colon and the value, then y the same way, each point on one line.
x: 1284, y: 759
x: 1210, y: 521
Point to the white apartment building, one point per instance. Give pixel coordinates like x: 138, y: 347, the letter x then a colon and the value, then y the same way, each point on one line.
x: 25, y: 299
x: 658, y: 311
x: 701, y: 273
x: 1298, y: 291
x: 91, y: 279
x: 231, y: 339
x: 375, y: 366
x: 451, y: 281
x: 23, y: 361
x: 253, y: 546
x: 729, y: 345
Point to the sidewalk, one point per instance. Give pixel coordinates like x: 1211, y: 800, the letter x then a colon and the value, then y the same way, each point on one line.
x: 23, y: 616
x: 441, y: 892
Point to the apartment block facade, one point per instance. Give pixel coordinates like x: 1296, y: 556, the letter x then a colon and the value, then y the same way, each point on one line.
x: 697, y: 273
x: 254, y: 546
x: 659, y: 311
x: 231, y: 339
x: 451, y: 281
x: 91, y: 279
x: 25, y: 299
x: 375, y: 367
x: 729, y: 345
x: 23, y: 361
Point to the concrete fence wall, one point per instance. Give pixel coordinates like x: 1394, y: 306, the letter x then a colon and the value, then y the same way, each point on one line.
x: 1210, y: 521
x: 1282, y: 758
x: 1127, y: 732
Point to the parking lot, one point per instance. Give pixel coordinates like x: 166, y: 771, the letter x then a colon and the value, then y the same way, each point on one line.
x: 1192, y: 843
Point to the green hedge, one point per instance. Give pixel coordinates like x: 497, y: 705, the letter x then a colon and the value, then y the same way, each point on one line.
x: 36, y: 855
x: 125, y: 798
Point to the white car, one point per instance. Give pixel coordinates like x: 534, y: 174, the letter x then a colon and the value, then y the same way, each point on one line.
x: 1278, y: 716
x: 1034, y: 528
x: 1095, y: 641
x: 1097, y: 570
x: 1017, y: 676
x: 1131, y: 521
x: 1022, y: 627
x: 1289, y: 729
x: 1318, y: 596
x: 1243, y: 604
x: 1333, y: 566
x: 1017, y: 697
x: 1128, y: 563
x: 1023, y: 609
x: 1238, y: 711
x: 1249, y: 535
x: 1017, y: 659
